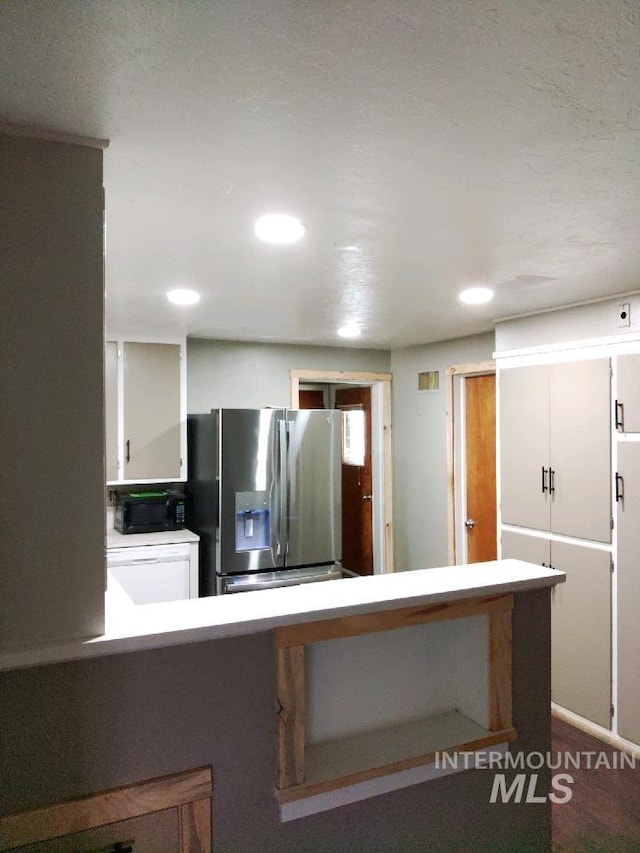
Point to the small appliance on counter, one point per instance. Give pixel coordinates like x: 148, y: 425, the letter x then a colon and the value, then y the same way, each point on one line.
x: 149, y: 511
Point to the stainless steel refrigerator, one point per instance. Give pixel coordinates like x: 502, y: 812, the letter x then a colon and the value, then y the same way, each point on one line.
x: 264, y: 494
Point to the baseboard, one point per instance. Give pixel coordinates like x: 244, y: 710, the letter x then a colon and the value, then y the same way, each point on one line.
x: 595, y: 730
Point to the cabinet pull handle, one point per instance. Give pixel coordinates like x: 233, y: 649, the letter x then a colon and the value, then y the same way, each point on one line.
x: 619, y: 487
x: 545, y: 488
x: 619, y: 418
x: 552, y: 481
x: 128, y: 451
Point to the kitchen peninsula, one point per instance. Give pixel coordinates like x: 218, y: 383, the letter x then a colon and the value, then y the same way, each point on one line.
x: 373, y: 675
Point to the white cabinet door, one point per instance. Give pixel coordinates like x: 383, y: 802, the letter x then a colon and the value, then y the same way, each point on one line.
x: 151, y: 574
x: 111, y: 409
x: 524, y: 446
x: 581, y: 632
x: 580, y: 449
x: 628, y: 568
x: 152, y: 416
x: 628, y: 394
x: 555, y: 448
x: 580, y: 622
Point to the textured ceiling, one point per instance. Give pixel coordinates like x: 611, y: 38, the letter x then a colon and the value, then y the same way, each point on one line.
x: 426, y: 145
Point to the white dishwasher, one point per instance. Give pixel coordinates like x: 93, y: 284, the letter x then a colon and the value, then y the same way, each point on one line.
x: 152, y: 573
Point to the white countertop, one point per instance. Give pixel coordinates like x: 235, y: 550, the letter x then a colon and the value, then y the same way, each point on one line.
x: 115, y: 539
x: 132, y: 628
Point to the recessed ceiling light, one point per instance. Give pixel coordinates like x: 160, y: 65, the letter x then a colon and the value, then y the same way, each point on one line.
x: 349, y: 331
x: 279, y: 228
x: 476, y: 295
x: 183, y: 296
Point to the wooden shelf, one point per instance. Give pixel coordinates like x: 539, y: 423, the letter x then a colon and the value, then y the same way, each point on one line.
x: 368, y: 755
x: 307, y: 769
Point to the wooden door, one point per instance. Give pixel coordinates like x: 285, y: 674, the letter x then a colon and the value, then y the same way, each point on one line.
x: 151, y: 411
x: 629, y: 591
x: 357, y: 544
x: 628, y: 414
x: 580, y: 449
x: 311, y: 398
x: 524, y: 446
x: 480, y: 438
x: 581, y: 632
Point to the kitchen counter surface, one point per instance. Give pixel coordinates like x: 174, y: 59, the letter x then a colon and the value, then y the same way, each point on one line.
x: 115, y: 539
x: 132, y: 628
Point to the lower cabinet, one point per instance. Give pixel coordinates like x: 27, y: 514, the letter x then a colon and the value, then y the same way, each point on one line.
x: 580, y: 622
x: 154, y: 573
x: 628, y: 571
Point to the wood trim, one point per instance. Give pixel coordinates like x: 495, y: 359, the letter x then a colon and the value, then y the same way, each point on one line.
x: 195, y: 827
x: 500, y: 674
x: 338, y: 376
x: 296, y: 376
x: 290, y: 692
x: 24, y: 130
x: 293, y: 636
x: 478, y: 369
x: 387, y: 465
x: 309, y: 790
x: 48, y: 822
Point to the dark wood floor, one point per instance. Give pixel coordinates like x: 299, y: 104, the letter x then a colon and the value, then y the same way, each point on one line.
x: 603, y: 815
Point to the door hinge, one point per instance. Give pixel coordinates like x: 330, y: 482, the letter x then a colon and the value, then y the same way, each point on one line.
x: 612, y: 522
x: 612, y: 710
x: 611, y: 564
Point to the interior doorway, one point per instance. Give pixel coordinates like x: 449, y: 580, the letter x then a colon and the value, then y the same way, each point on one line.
x: 471, y: 462
x: 365, y: 399
x: 354, y: 402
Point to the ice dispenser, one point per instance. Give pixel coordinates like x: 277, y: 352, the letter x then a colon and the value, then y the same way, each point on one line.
x: 252, y: 521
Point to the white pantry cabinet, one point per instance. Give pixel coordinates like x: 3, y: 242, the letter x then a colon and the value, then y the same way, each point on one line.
x: 145, y: 403
x: 555, y: 448
x: 580, y: 621
x: 628, y: 570
x: 628, y: 395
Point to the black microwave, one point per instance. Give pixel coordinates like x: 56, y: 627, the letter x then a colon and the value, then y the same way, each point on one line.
x: 149, y: 512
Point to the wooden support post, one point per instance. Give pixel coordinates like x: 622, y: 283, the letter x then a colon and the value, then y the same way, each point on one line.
x: 195, y: 827
x: 290, y: 692
x: 500, y: 670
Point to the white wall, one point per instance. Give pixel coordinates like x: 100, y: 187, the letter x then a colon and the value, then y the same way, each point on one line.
x: 419, y: 449
x: 236, y: 374
x: 583, y: 322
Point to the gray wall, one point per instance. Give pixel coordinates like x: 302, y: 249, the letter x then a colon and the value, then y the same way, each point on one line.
x: 76, y: 728
x: 598, y: 320
x: 51, y: 392
x: 419, y: 449
x: 250, y: 375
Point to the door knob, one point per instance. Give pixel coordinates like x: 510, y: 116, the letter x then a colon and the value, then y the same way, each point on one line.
x: 367, y: 497
x: 470, y: 523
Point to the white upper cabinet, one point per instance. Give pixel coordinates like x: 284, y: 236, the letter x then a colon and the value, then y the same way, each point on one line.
x: 555, y: 448
x: 627, y: 412
x: 150, y: 439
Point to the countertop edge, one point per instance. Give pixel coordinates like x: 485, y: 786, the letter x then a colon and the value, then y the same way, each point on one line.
x: 199, y: 620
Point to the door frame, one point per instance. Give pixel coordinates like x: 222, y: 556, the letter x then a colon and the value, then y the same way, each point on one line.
x: 456, y: 452
x: 381, y: 460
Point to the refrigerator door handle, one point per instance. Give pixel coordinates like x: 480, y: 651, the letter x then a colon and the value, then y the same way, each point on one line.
x: 283, y: 442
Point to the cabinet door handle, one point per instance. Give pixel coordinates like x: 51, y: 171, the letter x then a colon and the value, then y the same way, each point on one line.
x: 128, y: 457
x: 552, y: 481
x: 545, y: 488
x: 619, y: 487
x: 619, y: 415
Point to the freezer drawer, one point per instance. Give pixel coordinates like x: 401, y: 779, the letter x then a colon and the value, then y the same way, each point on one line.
x: 152, y: 573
